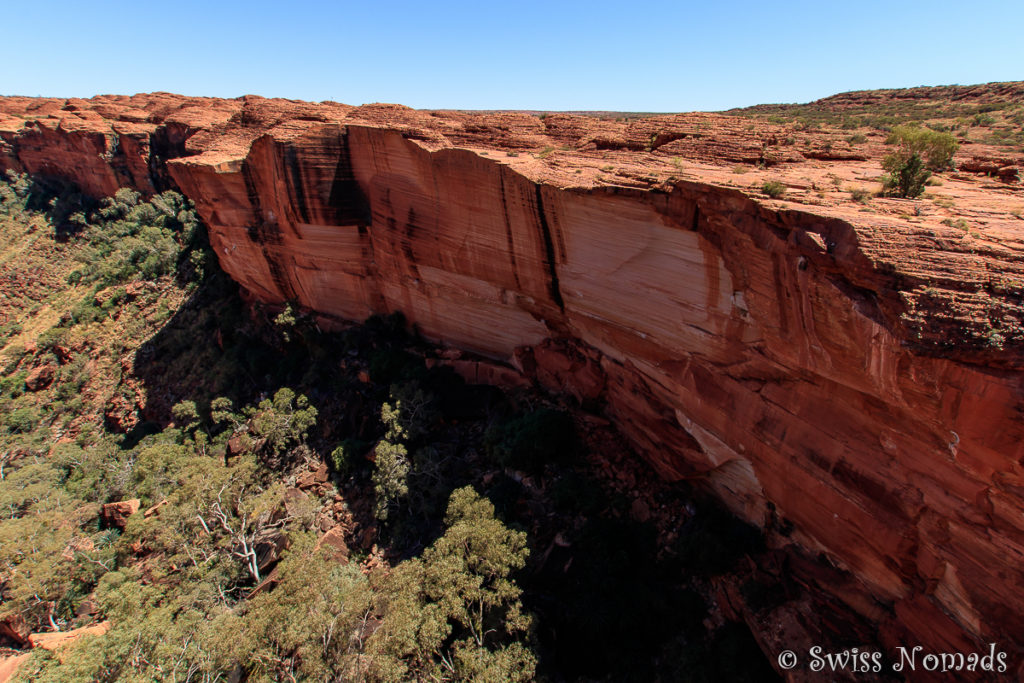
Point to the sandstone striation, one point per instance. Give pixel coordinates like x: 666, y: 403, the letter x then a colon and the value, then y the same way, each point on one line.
x: 848, y: 379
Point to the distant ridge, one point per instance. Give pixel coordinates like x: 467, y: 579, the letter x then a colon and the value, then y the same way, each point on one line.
x: 984, y: 93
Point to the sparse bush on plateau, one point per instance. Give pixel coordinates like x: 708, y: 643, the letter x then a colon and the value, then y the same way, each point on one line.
x: 774, y: 189
x: 934, y: 147
x: 860, y: 194
x: 918, y: 152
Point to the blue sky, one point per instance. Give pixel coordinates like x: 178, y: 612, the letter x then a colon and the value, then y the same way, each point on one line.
x: 623, y: 55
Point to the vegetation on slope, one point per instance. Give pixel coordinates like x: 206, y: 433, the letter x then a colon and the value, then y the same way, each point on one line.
x: 993, y: 122
x: 459, y: 533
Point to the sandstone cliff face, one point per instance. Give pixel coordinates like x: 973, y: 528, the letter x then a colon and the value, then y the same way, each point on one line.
x: 782, y: 355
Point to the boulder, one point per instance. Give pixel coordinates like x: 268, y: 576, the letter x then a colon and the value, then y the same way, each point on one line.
x: 41, y: 377
x: 296, y: 502
x: 313, y: 478
x: 320, y: 475
x: 269, y: 545
x: 15, y: 630
x: 115, y: 515
x: 241, y: 443
x: 120, y: 415
x: 334, y: 542
x: 155, y: 510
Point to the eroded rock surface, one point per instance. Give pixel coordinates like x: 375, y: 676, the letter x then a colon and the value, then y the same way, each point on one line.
x: 848, y: 379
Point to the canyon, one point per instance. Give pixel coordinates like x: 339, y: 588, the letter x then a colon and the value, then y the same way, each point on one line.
x: 847, y: 378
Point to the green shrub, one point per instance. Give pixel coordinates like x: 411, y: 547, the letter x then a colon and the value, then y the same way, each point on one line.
x: 72, y: 378
x: 280, y: 424
x: 13, y: 386
x: 935, y: 149
x: 21, y: 420
x: 55, y: 336
x: 774, y: 189
x: 860, y: 194
x: 347, y: 455
x: 186, y: 415
x: 286, y: 321
x: 8, y: 330
x: 907, y: 175
x: 85, y: 311
x: 128, y: 238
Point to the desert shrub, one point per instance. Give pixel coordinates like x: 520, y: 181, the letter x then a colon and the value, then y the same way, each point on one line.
x: 55, y: 336
x: 128, y: 238
x: 906, y: 177
x: 13, y: 386
x: 415, y: 409
x: 860, y: 194
x: 346, y: 456
x: 983, y: 120
x: 21, y: 420
x: 280, y: 424
x: 774, y: 189
x: 72, y: 379
x: 935, y: 149
x: 8, y: 330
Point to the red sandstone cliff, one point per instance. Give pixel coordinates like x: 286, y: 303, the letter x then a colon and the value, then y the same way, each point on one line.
x: 850, y: 380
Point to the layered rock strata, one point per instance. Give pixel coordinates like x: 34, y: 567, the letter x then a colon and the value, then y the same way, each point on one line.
x: 833, y: 377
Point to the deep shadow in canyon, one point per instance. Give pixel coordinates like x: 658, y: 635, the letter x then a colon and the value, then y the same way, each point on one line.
x: 620, y: 589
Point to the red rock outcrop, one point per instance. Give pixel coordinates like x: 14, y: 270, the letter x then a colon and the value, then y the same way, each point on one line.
x: 14, y: 630
x: 48, y: 641
x: 40, y: 377
x: 850, y: 381
x: 115, y: 515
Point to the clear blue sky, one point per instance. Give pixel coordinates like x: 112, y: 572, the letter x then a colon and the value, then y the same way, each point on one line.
x: 621, y: 55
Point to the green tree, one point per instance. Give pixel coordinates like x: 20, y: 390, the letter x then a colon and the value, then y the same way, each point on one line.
x: 280, y: 424
x: 186, y: 415
x: 907, y: 175
x: 918, y: 152
x: 390, y: 476
x: 310, y: 624
x: 456, y: 613
x: 286, y: 322
x: 391, y: 461
x: 935, y: 148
